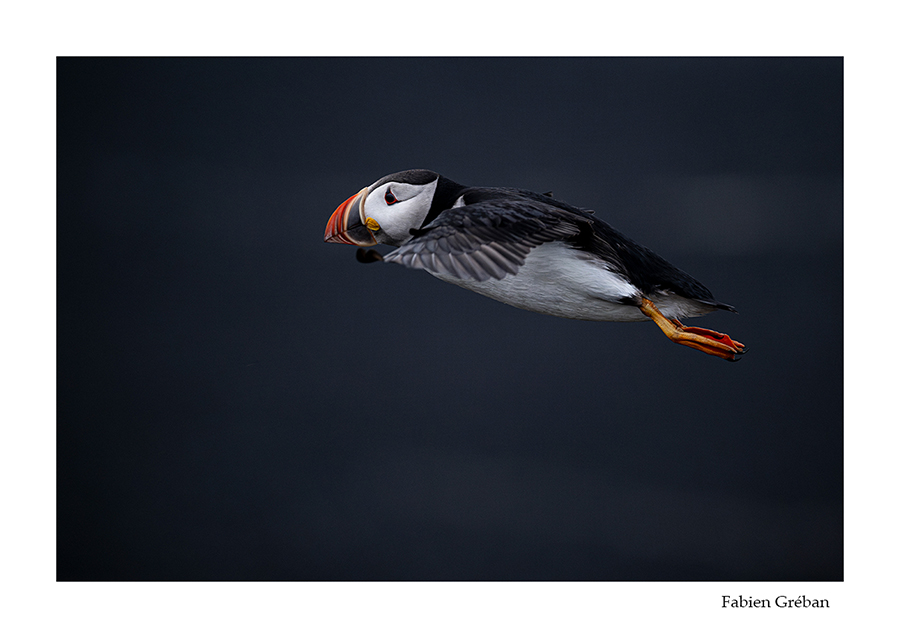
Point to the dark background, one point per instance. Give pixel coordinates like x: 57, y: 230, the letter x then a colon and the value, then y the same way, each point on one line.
x: 239, y: 400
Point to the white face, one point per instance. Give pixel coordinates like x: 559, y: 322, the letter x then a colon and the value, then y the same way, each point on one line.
x: 396, y: 207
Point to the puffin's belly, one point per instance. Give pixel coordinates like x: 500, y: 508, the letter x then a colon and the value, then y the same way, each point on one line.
x: 561, y: 281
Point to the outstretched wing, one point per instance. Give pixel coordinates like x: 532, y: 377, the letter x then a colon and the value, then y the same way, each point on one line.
x: 484, y: 240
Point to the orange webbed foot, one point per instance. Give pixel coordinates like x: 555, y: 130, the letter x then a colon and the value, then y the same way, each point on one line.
x: 720, y: 337
x: 708, y: 341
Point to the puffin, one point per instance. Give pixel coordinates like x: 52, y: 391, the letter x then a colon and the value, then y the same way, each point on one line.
x: 528, y: 250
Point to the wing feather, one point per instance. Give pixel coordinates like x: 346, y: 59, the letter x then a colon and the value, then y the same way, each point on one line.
x: 486, y: 240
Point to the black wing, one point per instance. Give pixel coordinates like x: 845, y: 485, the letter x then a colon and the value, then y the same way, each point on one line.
x: 490, y: 238
x: 487, y: 239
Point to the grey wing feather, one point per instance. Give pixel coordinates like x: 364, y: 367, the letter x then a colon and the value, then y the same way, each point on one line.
x: 485, y: 240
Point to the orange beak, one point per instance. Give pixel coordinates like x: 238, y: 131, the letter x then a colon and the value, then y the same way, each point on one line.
x: 347, y: 224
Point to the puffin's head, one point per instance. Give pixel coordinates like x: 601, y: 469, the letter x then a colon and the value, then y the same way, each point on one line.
x: 384, y: 212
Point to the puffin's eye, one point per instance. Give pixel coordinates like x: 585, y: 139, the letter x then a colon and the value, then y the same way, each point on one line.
x: 389, y: 197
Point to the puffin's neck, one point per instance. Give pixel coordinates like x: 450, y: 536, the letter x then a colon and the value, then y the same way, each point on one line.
x: 445, y: 194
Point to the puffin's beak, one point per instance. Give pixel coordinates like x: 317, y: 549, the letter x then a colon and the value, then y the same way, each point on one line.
x: 347, y: 224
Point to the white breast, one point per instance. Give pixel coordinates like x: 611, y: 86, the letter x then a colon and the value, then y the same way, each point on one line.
x: 561, y: 281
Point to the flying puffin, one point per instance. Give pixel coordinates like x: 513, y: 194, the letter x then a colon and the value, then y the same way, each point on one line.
x: 527, y: 250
